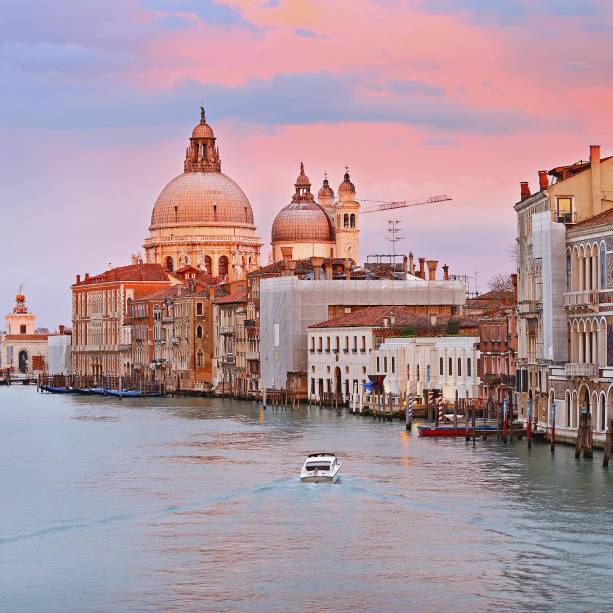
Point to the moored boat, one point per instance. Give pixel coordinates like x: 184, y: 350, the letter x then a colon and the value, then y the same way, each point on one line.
x: 433, y: 431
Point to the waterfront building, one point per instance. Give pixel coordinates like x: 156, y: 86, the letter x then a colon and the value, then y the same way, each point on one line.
x: 58, y: 352
x: 230, y: 373
x: 562, y: 294
x: 192, y: 337
x: 439, y: 363
x: 289, y: 305
x: 498, y: 348
x: 101, y: 330
x: 202, y: 218
x: 340, y: 350
x: 23, y: 347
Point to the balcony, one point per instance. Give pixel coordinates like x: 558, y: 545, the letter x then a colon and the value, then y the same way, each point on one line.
x: 581, y: 301
x: 529, y: 308
x: 228, y: 359
x: 576, y: 370
x: 226, y: 330
x: 252, y: 356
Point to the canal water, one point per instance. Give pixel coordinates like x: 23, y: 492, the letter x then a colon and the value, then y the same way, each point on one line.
x: 195, y: 505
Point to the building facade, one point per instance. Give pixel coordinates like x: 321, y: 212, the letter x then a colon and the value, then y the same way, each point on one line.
x: 562, y: 295
x: 101, y: 330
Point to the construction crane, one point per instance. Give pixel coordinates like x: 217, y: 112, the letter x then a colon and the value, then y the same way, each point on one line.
x: 384, y: 205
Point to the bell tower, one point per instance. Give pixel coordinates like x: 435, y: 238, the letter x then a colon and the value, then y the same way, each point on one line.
x: 347, y: 221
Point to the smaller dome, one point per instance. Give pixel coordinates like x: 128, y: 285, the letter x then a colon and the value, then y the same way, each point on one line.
x: 302, y: 222
x: 325, y: 191
x: 346, y: 186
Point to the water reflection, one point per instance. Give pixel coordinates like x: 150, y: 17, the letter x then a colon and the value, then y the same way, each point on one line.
x: 196, y: 504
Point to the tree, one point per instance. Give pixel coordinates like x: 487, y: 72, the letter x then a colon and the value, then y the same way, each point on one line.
x: 501, y: 283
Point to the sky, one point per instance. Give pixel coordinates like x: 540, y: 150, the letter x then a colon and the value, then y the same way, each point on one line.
x: 417, y: 97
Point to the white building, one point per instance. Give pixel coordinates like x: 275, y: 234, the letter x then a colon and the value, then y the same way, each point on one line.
x: 418, y: 364
x: 289, y: 305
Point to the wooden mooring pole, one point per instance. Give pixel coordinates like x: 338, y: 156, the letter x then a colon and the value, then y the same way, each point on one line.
x: 529, y: 424
x: 608, y: 444
x: 553, y: 427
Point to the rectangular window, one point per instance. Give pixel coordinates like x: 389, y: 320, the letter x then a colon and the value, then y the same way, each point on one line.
x: 199, y: 308
x: 459, y: 367
x: 22, y: 329
x: 450, y: 367
x: 363, y: 344
x: 418, y: 372
x: 320, y: 343
x: 378, y: 364
x: 468, y: 368
x: 312, y: 386
x: 564, y: 209
x: 385, y: 364
x: 393, y: 364
x: 312, y: 343
x: 441, y: 367
x: 327, y: 344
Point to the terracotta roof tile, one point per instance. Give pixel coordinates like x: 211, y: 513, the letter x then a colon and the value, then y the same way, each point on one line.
x: 133, y: 272
x: 601, y: 219
x: 240, y: 295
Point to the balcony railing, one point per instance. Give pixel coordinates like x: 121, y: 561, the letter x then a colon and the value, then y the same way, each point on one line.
x: 529, y: 308
x: 226, y: 330
x: 573, y: 300
x: 574, y: 369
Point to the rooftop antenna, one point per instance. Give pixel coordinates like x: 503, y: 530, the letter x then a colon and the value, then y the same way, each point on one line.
x: 393, y: 231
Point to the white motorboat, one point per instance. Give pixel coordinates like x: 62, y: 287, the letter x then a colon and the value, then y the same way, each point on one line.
x: 320, y: 467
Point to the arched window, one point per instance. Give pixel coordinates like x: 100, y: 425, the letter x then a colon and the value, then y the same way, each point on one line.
x: 603, y: 266
x: 199, y: 331
x: 186, y: 260
x: 352, y: 220
x: 567, y: 407
x: 569, y: 272
x: 170, y: 264
x: 223, y: 266
x: 208, y: 264
x: 23, y: 361
x: 346, y: 220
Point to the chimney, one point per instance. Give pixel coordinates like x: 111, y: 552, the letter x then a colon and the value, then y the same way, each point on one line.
x: 61, y: 328
x: 347, y: 264
x: 316, y: 262
x: 445, y: 272
x: 86, y: 277
x: 596, y: 189
x: 405, y: 264
x: 78, y: 279
x: 524, y: 190
x: 543, y: 180
x: 432, y: 264
x: 422, y: 272
x: 286, y: 252
x: 329, y: 271
x: 411, y: 263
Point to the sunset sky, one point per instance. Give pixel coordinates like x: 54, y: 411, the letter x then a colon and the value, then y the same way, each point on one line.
x: 417, y: 97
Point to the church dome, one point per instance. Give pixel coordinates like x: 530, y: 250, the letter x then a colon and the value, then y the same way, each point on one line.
x: 202, y: 195
x: 201, y: 199
x: 302, y: 220
x: 325, y: 191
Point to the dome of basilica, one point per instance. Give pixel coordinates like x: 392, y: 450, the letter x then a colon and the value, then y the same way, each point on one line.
x: 202, y: 199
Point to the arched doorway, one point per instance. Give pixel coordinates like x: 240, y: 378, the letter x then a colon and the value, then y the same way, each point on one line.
x: 170, y: 264
x: 584, y: 399
x: 337, y: 380
x: 23, y: 361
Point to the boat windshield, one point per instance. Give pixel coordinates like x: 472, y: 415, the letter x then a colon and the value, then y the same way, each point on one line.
x: 318, y: 466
